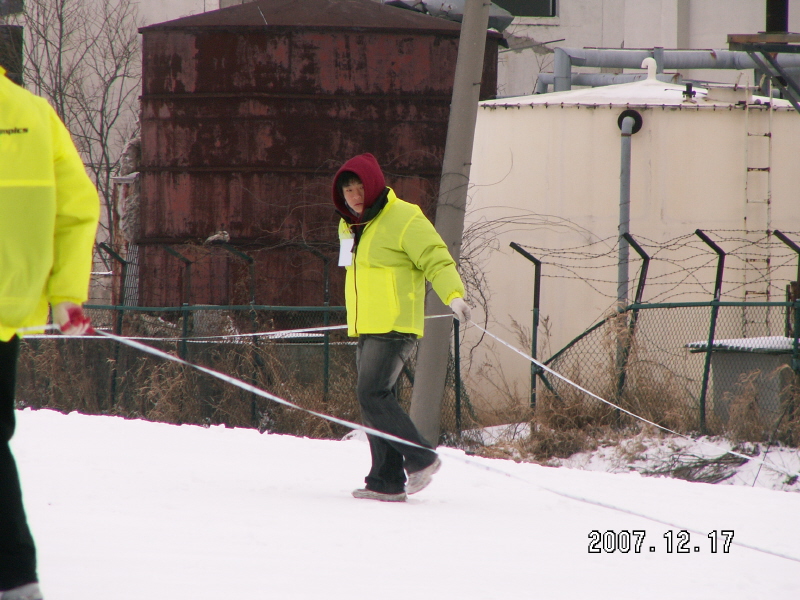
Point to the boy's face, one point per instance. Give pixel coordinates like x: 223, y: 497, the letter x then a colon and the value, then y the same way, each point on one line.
x: 354, y: 196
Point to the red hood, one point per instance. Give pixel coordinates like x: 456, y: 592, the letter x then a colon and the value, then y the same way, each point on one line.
x: 369, y: 172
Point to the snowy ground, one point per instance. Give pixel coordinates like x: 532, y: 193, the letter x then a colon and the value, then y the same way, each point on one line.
x: 704, y: 458
x: 132, y: 510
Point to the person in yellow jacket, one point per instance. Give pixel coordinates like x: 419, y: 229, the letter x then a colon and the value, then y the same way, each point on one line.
x: 389, y: 248
x: 49, y: 210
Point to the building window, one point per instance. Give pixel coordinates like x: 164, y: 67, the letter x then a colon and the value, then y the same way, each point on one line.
x: 529, y: 8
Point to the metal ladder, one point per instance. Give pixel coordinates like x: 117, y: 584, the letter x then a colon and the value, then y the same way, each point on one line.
x: 757, y: 216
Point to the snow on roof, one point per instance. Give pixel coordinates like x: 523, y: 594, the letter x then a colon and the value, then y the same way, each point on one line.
x: 761, y: 345
x: 646, y: 92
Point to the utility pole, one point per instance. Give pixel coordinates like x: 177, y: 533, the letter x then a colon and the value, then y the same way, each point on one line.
x: 426, y: 399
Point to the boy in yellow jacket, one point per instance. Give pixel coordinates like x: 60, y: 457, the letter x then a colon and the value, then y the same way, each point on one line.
x: 48, y: 219
x: 389, y: 249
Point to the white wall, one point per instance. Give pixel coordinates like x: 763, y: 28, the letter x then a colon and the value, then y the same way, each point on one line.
x: 682, y: 24
x: 549, y: 178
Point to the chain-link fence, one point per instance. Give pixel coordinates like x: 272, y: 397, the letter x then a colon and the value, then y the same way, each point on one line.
x: 716, y: 367
x: 313, y: 369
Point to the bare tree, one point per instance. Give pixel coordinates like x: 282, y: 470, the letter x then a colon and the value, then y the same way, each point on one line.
x: 84, y: 57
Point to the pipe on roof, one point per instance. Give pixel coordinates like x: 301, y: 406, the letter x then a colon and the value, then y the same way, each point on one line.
x: 600, y: 79
x: 566, y: 58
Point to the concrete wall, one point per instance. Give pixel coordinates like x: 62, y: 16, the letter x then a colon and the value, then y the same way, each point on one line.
x: 679, y: 24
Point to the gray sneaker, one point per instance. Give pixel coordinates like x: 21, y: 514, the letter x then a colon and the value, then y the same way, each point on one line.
x: 365, y: 494
x: 419, y: 480
x: 29, y: 591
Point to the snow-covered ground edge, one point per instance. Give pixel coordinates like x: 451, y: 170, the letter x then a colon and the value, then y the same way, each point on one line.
x: 770, y: 467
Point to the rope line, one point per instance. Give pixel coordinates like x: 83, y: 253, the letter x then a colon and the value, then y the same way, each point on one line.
x: 627, y: 412
x: 283, y: 333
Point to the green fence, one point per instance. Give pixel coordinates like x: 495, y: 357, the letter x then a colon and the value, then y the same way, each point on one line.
x: 313, y: 369
x: 712, y: 367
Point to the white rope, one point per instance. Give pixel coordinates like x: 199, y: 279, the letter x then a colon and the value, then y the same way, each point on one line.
x: 280, y: 334
x: 635, y: 416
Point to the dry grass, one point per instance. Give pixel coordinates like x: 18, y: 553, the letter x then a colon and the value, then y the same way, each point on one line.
x: 99, y: 377
x: 568, y: 421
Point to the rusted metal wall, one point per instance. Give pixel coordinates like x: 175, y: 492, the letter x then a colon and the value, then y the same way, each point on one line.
x: 219, y: 277
x: 243, y: 129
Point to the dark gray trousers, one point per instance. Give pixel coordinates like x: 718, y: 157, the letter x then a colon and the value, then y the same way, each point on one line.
x: 380, y: 359
x: 17, y: 551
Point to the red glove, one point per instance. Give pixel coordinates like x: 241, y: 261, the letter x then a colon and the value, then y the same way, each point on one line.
x: 70, y: 318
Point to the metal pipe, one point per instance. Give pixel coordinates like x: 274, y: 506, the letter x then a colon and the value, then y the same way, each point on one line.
x: 624, y: 209
x: 562, y: 70
x: 658, y: 55
x: 537, y: 274
x: 544, y: 80
x: 566, y: 58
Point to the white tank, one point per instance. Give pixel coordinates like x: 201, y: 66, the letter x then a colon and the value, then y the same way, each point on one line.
x: 546, y: 174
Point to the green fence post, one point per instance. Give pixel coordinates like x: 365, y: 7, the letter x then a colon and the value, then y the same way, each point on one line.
x: 537, y: 278
x: 623, y: 363
x: 185, y: 330
x: 712, y: 328
x: 795, y: 344
x: 457, y: 374
x: 795, y: 360
x: 326, y: 364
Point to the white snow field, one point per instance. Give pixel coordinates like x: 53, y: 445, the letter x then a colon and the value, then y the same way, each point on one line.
x: 132, y: 510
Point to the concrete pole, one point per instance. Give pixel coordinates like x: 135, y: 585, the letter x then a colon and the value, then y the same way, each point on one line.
x: 426, y: 400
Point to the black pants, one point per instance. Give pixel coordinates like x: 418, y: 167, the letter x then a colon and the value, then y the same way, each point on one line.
x: 17, y: 551
x: 380, y: 359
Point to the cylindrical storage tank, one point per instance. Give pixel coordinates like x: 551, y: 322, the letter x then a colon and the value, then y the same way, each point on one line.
x: 546, y: 175
x: 248, y: 111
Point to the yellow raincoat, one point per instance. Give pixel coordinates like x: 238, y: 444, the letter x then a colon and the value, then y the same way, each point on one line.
x: 385, y: 284
x: 49, y: 210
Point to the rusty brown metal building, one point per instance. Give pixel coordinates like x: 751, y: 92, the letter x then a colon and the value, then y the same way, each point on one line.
x: 248, y: 111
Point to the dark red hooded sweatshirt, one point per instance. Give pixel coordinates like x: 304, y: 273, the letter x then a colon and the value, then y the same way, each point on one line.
x: 370, y: 174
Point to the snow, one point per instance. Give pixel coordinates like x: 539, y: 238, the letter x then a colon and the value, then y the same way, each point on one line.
x: 645, y: 92
x: 129, y: 509
x: 772, y: 343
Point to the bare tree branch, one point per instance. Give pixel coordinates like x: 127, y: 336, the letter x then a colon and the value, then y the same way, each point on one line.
x: 84, y: 57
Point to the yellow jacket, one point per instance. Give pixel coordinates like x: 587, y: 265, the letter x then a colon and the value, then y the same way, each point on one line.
x: 49, y: 210
x: 385, y: 284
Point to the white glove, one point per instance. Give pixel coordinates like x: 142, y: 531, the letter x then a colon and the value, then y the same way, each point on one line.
x: 461, y: 310
x: 70, y: 318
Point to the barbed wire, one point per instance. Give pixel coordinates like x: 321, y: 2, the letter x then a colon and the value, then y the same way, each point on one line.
x: 679, y: 267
